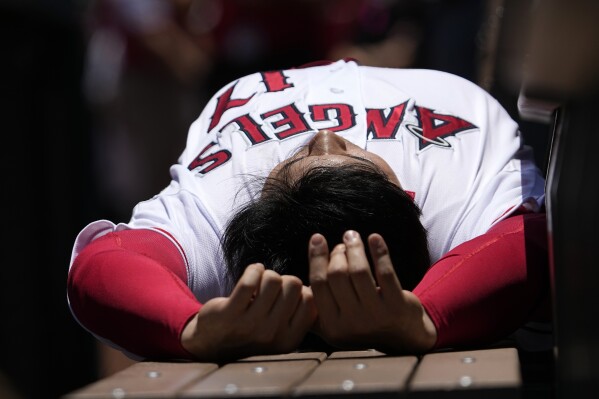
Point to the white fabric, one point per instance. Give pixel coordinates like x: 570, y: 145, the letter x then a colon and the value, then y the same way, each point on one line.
x: 464, y: 182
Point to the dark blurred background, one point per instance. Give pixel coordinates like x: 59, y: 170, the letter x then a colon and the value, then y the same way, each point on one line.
x: 98, y: 97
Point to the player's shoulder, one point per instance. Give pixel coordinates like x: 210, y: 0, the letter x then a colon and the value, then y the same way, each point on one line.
x: 331, y: 66
x: 420, y: 76
x: 310, y: 68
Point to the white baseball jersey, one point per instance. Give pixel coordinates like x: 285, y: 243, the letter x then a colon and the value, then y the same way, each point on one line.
x: 449, y: 142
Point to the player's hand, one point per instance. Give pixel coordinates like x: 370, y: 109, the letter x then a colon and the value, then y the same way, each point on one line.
x: 356, y: 312
x: 266, y: 313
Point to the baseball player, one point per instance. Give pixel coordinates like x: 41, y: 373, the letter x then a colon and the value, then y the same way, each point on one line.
x: 159, y: 287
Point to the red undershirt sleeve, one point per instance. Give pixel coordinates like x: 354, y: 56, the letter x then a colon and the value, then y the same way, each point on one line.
x: 130, y: 287
x: 486, y: 288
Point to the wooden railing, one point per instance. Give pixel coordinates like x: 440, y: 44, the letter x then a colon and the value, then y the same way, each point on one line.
x: 372, y: 374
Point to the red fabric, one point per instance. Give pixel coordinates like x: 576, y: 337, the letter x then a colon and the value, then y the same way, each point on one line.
x: 130, y: 287
x: 486, y: 288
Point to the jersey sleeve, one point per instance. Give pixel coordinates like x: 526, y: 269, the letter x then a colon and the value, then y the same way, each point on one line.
x: 128, y: 289
x: 488, y: 287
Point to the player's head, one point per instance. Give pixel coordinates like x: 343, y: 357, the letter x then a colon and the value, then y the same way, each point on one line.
x: 328, y: 187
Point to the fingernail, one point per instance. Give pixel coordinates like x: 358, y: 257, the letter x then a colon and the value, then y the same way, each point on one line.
x: 379, y: 246
x: 317, y: 240
x: 351, y: 236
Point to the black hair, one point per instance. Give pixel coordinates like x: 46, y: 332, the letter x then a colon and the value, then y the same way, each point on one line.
x: 274, y: 229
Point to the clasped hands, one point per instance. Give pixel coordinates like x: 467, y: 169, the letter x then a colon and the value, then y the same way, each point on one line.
x: 345, y: 304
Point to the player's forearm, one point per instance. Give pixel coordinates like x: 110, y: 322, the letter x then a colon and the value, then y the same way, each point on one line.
x: 486, y: 288
x: 129, y: 287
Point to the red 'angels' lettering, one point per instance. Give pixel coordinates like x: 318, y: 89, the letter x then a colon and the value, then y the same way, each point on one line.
x: 212, y: 161
x: 431, y: 128
x: 381, y: 127
x: 344, y: 115
x: 252, y: 130
x: 290, y: 117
